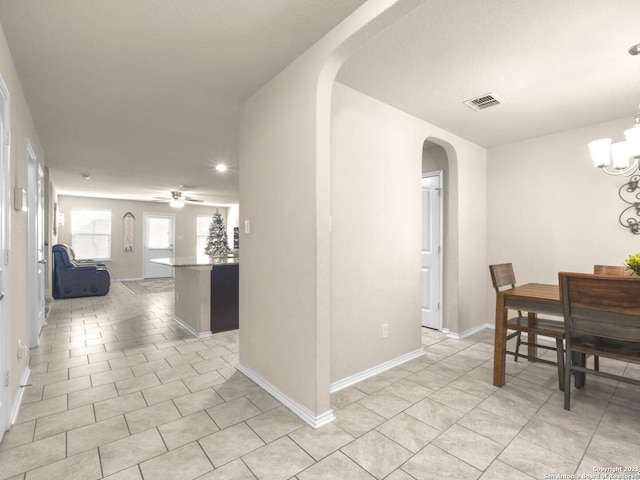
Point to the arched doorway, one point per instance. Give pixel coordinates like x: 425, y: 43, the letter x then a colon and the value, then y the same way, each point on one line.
x: 440, y: 156
x: 434, y: 164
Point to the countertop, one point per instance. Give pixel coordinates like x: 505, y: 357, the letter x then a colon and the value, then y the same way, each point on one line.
x: 199, y: 261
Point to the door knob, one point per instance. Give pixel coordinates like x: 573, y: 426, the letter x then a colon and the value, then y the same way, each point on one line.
x: 1, y: 295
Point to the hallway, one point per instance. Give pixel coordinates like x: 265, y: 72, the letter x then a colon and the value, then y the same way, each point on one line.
x: 120, y: 391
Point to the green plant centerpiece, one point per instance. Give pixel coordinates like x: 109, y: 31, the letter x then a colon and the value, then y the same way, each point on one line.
x: 633, y: 263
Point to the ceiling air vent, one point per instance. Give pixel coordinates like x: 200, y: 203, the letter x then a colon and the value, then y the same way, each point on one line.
x: 484, y: 101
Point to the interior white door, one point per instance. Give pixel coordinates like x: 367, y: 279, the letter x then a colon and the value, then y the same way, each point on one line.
x: 158, y: 235
x: 432, y: 251
x: 35, y: 202
x: 41, y: 270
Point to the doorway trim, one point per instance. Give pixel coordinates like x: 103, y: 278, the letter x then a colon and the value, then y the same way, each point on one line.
x: 439, y: 174
x: 35, y: 243
x: 5, y: 245
x: 145, y: 249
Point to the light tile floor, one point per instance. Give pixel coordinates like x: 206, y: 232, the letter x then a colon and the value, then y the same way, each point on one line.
x: 120, y: 391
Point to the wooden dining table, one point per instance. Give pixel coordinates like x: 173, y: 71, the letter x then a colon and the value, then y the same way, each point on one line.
x: 532, y: 298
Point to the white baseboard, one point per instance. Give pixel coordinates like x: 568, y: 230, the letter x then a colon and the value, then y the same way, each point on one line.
x: 24, y: 378
x: 370, y: 372
x: 471, y: 331
x: 137, y: 279
x: 191, y: 330
x: 315, y: 421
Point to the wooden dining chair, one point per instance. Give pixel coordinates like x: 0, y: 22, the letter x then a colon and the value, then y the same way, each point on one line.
x: 502, y: 275
x: 615, y: 270
x: 601, y: 317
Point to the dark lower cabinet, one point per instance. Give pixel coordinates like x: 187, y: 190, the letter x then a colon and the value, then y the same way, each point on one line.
x: 224, y: 297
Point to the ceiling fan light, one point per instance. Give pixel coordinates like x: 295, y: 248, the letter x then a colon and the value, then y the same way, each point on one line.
x: 176, y: 203
x: 600, y: 152
x: 620, y: 155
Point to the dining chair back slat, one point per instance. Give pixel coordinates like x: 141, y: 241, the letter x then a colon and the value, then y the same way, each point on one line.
x: 502, y: 275
x: 601, y: 317
x: 615, y: 270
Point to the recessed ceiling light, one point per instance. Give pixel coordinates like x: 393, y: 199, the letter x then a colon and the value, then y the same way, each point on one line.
x: 221, y: 167
x: 86, y: 176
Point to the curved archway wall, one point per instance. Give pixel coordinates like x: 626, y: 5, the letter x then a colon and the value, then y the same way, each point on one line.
x: 288, y: 316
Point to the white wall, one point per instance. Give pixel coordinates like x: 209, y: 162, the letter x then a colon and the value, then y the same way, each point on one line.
x: 22, y: 128
x: 285, y: 309
x: 434, y: 158
x: 376, y: 166
x: 125, y: 265
x: 376, y: 156
x: 278, y: 266
x: 550, y: 210
x: 472, y: 235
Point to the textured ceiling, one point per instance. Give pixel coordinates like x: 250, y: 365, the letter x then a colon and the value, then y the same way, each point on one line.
x: 144, y: 95
x: 558, y: 65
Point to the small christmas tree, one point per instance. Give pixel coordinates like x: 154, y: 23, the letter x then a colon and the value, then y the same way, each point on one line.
x: 217, y: 244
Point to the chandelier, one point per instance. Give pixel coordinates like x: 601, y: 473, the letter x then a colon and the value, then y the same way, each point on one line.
x: 620, y: 158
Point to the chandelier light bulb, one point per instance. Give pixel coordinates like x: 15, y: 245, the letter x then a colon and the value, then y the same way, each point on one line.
x: 633, y: 140
x: 620, y: 155
x: 600, y: 152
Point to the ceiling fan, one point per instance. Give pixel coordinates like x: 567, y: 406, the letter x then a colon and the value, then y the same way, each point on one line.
x: 177, y: 200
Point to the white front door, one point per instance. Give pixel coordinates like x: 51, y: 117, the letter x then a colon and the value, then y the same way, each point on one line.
x: 432, y: 250
x: 5, y: 203
x: 35, y: 215
x: 158, y: 243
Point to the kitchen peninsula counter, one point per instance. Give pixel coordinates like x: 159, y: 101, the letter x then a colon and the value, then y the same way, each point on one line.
x: 206, y: 293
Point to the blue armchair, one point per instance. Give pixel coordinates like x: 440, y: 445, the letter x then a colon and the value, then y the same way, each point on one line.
x: 77, y: 278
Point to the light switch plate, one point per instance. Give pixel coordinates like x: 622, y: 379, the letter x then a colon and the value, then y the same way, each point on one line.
x: 20, y: 199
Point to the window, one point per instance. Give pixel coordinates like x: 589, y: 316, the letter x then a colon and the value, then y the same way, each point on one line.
x: 91, y: 233
x: 202, y: 233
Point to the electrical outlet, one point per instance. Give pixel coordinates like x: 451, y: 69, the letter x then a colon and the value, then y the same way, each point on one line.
x: 385, y: 330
